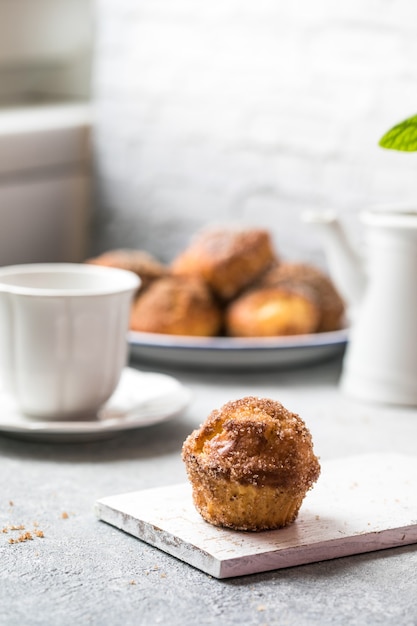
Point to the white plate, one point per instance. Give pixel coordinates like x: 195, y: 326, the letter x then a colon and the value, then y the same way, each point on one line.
x: 236, y: 352
x: 141, y: 399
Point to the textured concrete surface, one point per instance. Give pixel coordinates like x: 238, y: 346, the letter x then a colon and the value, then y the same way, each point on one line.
x: 252, y: 111
x: 86, y: 572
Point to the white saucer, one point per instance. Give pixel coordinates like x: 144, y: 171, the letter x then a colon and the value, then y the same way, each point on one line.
x: 141, y: 399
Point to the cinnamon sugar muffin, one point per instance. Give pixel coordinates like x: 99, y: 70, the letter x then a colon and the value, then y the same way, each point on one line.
x: 332, y: 306
x: 142, y: 263
x: 227, y: 259
x: 176, y: 305
x: 250, y: 465
x: 271, y: 312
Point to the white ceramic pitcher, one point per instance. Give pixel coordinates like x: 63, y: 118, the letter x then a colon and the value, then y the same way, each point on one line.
x: 380, y: 363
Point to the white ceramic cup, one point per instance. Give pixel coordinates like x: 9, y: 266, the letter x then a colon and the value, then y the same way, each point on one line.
x: 63, y: 336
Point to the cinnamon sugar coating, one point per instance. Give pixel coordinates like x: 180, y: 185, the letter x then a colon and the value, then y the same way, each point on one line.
x: 250, y: 464
x: 227, y: 259
x: 256, y: 440
x: 331, y: 304
x: 140, y: 262
x: 177, y: 306
x: 273, y: 311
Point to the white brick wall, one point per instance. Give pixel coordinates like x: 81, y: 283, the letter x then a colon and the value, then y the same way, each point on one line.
x: 248, y: 110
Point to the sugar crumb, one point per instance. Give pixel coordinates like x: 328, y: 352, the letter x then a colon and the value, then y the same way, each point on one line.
x: 27, y: 536
x: 24, y: 536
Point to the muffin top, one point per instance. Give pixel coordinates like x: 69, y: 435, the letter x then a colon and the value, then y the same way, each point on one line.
x: 142, y: 263
x: 227, y: 259
x: 222, y: 244
x: 255, y: 441
x: 178, y: 305
x: 330, y: 301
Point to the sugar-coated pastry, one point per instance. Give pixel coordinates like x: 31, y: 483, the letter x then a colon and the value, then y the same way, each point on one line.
x: 142, y: 263
x: 176, y: 305
x: 331, y: 304
x: 250, y: 465
x: 227, y: 259
x: 272, y: 311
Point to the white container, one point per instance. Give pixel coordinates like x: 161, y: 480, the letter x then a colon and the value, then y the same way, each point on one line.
x: 44, y: 184
x: 380, y: 364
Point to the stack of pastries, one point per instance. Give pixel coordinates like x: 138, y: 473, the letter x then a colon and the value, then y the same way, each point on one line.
x: 230, y: 282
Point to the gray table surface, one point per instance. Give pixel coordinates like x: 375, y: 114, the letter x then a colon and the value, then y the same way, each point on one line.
x: 86, y: 572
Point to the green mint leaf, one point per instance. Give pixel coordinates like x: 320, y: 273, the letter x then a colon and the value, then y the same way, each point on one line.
x: 402, y: 137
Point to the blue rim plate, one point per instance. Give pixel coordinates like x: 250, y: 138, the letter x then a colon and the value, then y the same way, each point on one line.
x: 236, y: 352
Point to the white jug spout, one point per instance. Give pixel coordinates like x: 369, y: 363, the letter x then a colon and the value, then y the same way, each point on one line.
x: 345, y: 265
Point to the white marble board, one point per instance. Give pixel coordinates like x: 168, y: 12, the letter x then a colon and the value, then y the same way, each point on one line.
x: 359, y: 504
